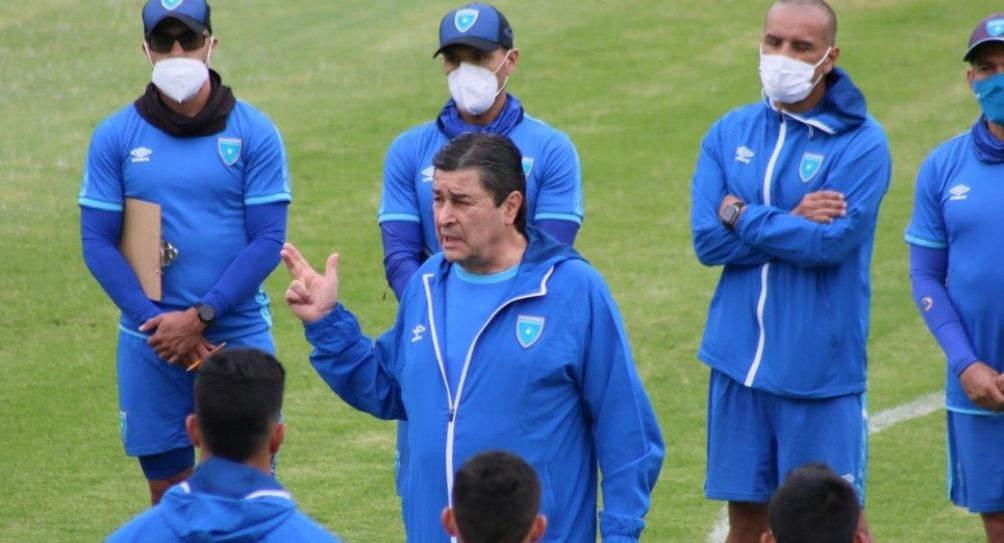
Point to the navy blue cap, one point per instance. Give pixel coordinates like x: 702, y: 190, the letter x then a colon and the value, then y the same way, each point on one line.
x: 990, y: 29
x: 480, y: 26
x: 192, y: 13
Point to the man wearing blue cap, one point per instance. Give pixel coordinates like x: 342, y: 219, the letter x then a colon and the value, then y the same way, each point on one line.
x: 785, y: 197
x: 476, y: 43
x: 954, y: 240
x: 216, y: 168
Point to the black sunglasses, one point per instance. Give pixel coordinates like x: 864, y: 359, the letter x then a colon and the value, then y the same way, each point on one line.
x: 163, y: 43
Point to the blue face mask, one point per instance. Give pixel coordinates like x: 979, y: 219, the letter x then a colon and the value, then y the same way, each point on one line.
x: 990, y: 93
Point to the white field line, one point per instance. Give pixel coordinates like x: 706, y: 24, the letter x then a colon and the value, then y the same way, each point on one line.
x: 883, y: 420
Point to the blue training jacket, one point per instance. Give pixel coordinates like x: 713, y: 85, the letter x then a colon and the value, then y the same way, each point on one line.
x: 549, y: 377
x: 790, y: 313
x: 223, y: 502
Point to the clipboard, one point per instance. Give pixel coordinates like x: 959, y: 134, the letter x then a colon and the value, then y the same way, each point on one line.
x: 140, y: 244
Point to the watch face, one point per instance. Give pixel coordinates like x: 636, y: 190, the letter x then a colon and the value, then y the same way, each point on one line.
x: 206, y: 312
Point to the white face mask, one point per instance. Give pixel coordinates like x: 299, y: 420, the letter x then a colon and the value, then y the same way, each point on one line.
x: 787, y: 80
x: 474, y: 88
x: 180, y: 78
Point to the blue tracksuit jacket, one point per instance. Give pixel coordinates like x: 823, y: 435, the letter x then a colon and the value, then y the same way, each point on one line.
x: 790, y: 313
x: 223, y: 502
x: 550, y: 377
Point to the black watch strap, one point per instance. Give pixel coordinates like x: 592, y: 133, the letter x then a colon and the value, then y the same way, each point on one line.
x: 730, y: 215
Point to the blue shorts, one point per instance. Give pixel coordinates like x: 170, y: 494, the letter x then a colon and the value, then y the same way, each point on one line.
x: 976, y: 461
x: 155, y: 397
x: 755, y: 438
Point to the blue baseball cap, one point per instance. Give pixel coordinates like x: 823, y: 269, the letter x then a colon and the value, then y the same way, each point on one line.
x: 480, y: 26
x: 192, y: 13
x: 990, y: 29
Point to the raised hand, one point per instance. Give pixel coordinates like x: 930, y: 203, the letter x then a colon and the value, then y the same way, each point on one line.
x: 821, y: 206
x: 310, y: 295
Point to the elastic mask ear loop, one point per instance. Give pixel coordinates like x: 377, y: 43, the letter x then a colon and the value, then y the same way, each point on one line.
x: 506, y: 80
x: 146, y: 49
x: 822, y: 60
x: 212, y: 42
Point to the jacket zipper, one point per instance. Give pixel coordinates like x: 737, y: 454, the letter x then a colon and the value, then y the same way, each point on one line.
x: 454, y: 403
x: 765, y: 270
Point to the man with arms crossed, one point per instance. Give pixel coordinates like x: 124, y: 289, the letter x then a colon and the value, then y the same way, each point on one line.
x: 785, y: 197
x: 954, y: 236
x: 217, y: 168
x: 505, y: 340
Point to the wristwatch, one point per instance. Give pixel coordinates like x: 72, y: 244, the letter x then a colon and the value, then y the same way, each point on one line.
x: 205, y: 312
x: 730, y: 215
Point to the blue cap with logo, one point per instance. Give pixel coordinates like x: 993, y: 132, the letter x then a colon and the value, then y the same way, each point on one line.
x: 192, y: 13
x: 990, y: 29
x: 480, y: 26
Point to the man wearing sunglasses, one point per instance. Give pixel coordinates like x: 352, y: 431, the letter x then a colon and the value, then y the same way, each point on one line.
x: 217, y: 169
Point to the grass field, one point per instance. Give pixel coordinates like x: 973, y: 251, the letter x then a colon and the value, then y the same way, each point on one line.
x: 635, y: 84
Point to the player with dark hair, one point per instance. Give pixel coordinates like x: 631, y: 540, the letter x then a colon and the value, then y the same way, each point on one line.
x: 496, y: 499
x: 232, y: 496
x: 814, y: 505
x: 506, y: 340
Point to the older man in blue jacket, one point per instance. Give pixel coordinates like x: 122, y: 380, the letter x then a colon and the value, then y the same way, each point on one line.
x: 506, y: 340
x: 786, y: 197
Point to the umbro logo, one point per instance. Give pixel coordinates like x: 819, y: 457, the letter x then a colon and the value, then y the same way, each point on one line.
x: 427, y: 174
x: 959, y: 192
x: 743, y: 154
x: 417, y: 333
x: 140, y: 154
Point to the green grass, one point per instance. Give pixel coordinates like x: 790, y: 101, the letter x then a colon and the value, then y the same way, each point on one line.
x: 634, y: 83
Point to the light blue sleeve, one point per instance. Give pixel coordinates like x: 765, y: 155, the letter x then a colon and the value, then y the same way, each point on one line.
x: 862, y: 176
x: 399, y: 201
x: 628, y: 441
x: 715, y: 244
x: 560, y: 194
x: 101, y: 186
x: 360, y: 371
x: 927, y: 227
x: 266, y: 173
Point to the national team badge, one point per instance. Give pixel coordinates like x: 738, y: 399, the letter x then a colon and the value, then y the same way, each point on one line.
x: 995, y: 27
x: 170, y: 4
x: 809, y: 166
x: 527, y: 166
x: 528, y: 330
x: 464, y: 19
x: 230, y: 150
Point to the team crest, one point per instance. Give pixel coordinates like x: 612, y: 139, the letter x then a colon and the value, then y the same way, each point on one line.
x: 230, y: 150
x: 809, y: 166
x: 528, y: 330
x: 465, y: 19
x: 995, y: 27
x: 527, y: 166
x: 170, y: 4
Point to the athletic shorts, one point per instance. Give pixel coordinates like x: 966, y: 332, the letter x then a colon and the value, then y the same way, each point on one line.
x: 976, y: 461
x: 155, y: 397
x: 755, y: 438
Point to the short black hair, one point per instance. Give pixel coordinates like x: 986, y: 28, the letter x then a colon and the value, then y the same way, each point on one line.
x: 822, y: 5
x: 496, y: 497
x: 238, y: 396
x: 814, y: 505
x: 498, y: 161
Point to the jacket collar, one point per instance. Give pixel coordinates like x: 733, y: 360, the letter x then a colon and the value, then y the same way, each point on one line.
x: 231, y: 479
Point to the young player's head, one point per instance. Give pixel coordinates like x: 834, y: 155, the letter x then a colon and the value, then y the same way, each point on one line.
x: 238, y: 398
x: 496, y: 499
x: 814, y: 505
